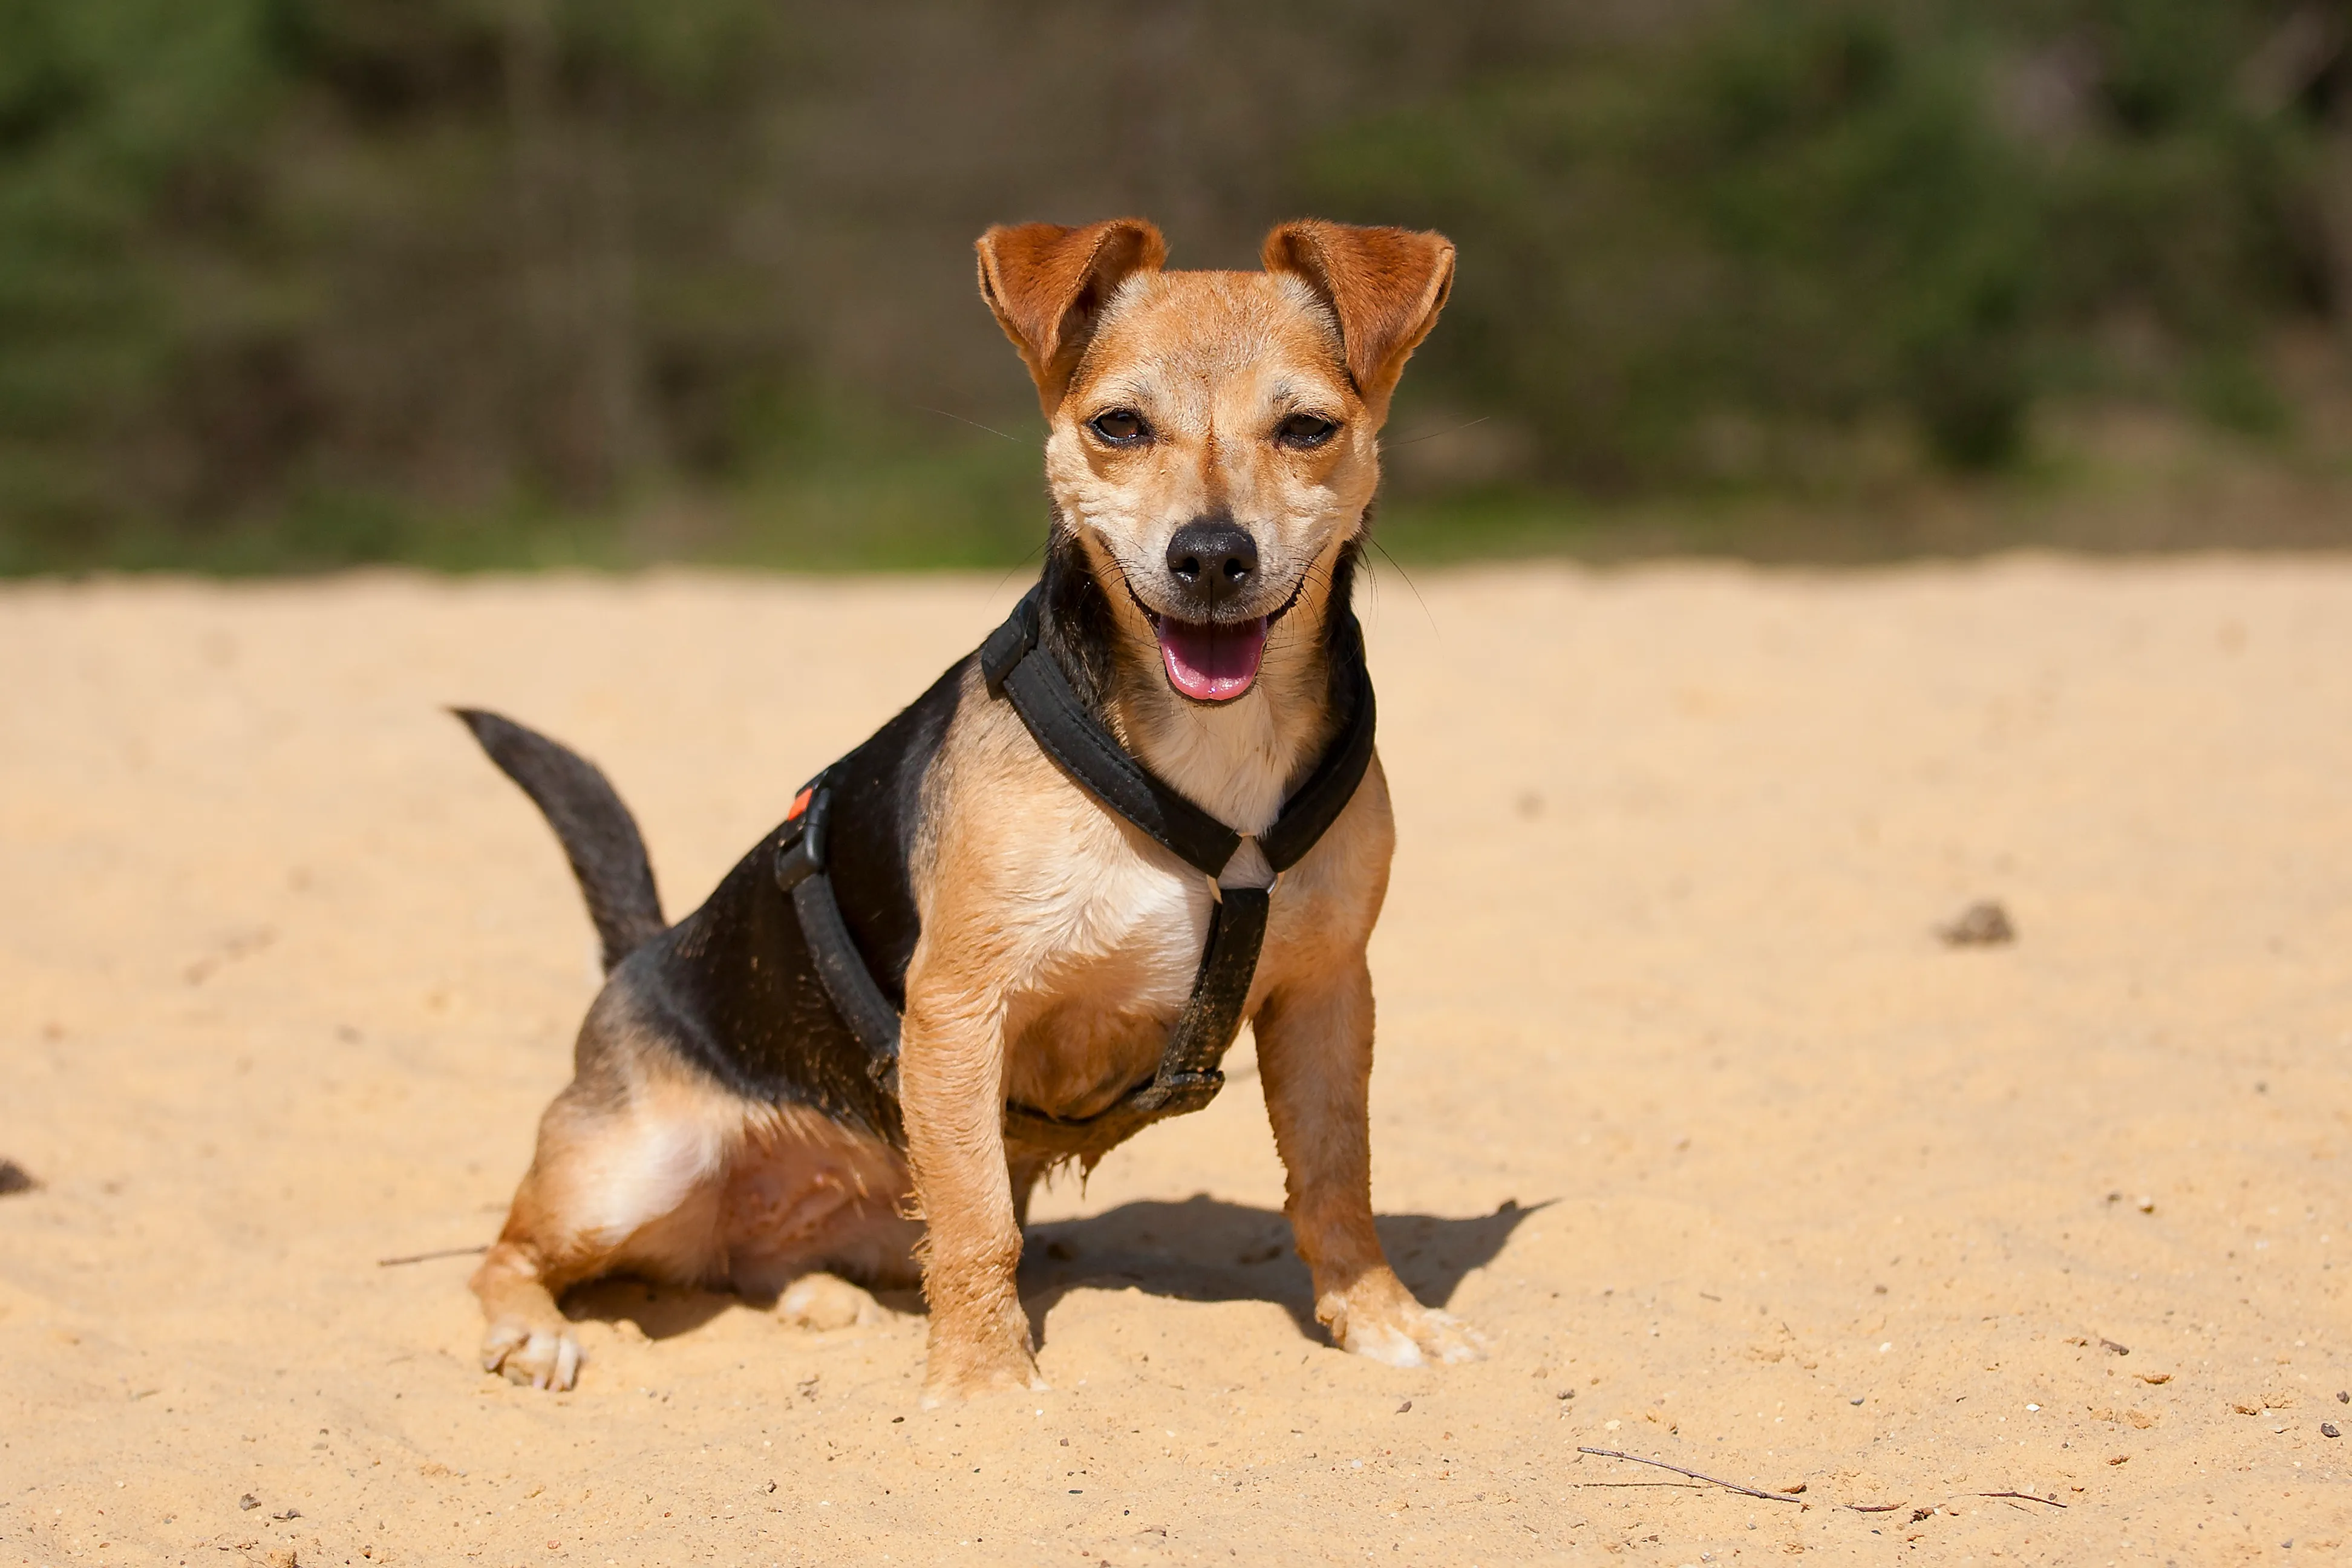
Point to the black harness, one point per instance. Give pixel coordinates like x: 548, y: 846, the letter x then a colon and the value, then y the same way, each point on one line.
x: 1020, y: 669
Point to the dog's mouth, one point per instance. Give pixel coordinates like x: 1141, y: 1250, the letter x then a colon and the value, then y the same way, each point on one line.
x: 1208, y: 662
x: 1211, y: 661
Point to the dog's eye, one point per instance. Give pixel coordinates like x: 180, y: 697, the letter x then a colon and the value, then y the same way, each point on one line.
x: 1305, y: 430
x: 1120, y: 428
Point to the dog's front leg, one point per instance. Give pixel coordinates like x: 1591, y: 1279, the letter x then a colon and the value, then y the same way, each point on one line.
x: 951, y: 1090
x: 1315, y: 1060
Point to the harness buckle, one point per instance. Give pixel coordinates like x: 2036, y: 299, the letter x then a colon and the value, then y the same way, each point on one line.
x: 802, y: 854
x: 794, y: 863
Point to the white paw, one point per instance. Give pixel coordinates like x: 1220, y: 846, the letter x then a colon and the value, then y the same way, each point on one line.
x: 1446, y: 1339
x: 534, y: 1358
x: 1382, y: 1342
x: 822, y: 1301
x: 1406, y: 1334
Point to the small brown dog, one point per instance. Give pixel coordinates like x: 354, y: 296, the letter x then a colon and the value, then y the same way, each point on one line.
x: 1026, y: 918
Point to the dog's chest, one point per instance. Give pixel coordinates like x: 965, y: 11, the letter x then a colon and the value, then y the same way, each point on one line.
x: 1118, y: 945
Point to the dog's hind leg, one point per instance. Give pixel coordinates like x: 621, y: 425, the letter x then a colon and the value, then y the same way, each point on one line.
x: 812, y: 1214
x: 627, y: 1177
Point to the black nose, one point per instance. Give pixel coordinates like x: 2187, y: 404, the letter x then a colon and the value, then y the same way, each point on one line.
x: 1215, y: 559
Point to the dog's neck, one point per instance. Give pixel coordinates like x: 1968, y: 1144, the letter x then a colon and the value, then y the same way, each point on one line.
x: 1238, y: 760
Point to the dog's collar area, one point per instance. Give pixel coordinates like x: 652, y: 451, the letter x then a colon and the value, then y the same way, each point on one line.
x: 1018, y: 669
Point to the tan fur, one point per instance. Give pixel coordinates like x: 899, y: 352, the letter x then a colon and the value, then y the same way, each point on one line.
x: 1058, y: 943
x: 1386, y: 286
x: 643, y: 1167
x: 1045, y: 284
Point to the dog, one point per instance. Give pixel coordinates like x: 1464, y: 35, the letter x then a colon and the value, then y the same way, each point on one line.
x: 1025, y: 919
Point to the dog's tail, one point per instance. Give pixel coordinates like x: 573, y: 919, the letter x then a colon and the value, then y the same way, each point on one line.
x: 598, y: 835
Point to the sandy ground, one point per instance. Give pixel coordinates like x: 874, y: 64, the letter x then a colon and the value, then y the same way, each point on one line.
x: 1680, y: 1099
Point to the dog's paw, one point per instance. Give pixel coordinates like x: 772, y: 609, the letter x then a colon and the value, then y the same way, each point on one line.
x: 1421, y: 1336
x: 533, y: 1358
x: 971, y: 1371
x: 1379, y: 1320
x: 822, y: 1301
x: 938, y: 1391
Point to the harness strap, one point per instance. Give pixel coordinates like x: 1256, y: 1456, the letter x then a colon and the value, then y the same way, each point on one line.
x: 1188, y: 1077
x: 1040, y: 693
x: 841, y: 969
x: 1063, y: 727
x: 1309, y: 814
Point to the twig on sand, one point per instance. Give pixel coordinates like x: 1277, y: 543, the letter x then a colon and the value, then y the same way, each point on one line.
x: 429, y: 1257
x: 1711, y: 1480
x: 2028, y: 1497
x: 1871, y: 1507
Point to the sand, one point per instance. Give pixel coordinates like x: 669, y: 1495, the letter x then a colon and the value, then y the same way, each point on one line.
x: 1680, y: 1099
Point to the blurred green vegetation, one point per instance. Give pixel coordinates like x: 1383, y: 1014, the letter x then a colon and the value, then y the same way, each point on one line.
x: 295, y: 284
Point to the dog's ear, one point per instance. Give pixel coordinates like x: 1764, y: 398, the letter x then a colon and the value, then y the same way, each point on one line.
x: 1048, y: 285
x: 1386, y: 286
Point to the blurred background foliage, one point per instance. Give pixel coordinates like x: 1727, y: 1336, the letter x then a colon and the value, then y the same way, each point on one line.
x: 288, y: 284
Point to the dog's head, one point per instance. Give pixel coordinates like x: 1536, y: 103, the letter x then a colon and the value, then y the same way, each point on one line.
x: 1214, y: 440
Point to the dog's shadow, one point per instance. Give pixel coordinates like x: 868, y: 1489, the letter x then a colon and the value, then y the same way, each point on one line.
x: 659, y: 1311
x: 1201, y: 1249
x: 1204, y: 1249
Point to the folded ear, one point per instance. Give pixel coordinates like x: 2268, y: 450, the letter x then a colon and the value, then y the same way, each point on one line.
x: 1048, y: 285
x: 1386, y: 286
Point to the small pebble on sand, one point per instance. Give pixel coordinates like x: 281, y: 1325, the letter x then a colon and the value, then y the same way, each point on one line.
x: 1981, y: 924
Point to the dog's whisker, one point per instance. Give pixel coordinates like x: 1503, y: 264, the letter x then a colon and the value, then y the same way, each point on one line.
x: 1033, y: 552
x: 959, y: 419
x: 1433, y: 435
x: 1412, y: 586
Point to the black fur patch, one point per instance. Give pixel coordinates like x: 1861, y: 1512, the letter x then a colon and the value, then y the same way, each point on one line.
x: 1077, y: 627
x: 732, y: 984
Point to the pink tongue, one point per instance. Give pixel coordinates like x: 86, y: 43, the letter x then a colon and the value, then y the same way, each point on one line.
x: 1208, y: 663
